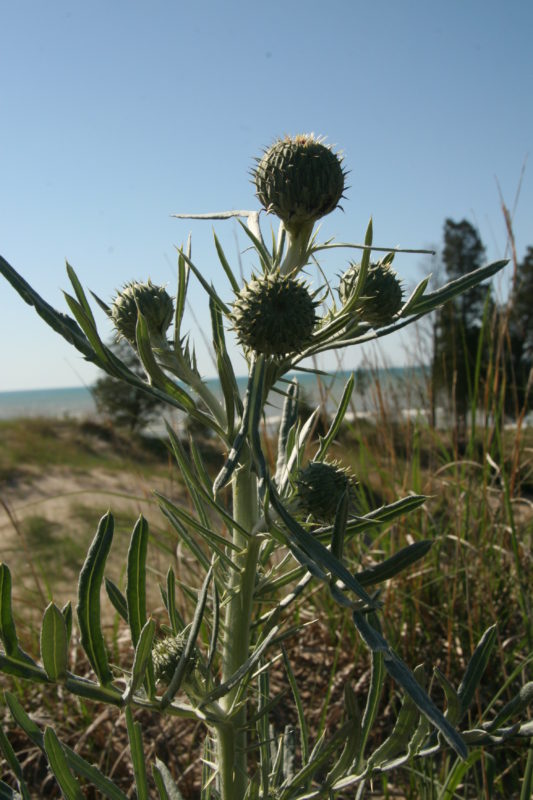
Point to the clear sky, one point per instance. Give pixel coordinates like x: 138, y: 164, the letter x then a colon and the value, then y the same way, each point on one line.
x: 116, y: 113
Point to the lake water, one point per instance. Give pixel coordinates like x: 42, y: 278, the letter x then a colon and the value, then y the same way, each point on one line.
x: 400, y: 387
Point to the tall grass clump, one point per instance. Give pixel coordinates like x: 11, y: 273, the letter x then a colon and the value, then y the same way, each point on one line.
x: 264, y: 534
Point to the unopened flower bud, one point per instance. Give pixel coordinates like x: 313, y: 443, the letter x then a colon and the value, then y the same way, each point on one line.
x: 274, y: 315
x: 154, y: 303
x: 381, y: 296
x: 299, y: 179
x: 320, y: 487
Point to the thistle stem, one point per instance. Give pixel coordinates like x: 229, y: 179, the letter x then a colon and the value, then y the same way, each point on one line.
x: 236, y: 641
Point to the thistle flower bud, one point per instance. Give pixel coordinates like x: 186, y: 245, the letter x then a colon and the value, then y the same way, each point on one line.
x: 381, y: 296
x: 274, y: 315
x: 166, y: 655
x: 299, y: 179
x: 154, y: 303
x: 320, y: 486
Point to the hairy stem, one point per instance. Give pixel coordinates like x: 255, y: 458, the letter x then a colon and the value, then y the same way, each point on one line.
x: 236, y: 641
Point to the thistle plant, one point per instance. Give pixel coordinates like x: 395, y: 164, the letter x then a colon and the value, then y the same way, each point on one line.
x: 263, y: 532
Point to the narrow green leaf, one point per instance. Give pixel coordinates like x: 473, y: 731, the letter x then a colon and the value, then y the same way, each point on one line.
x: 394, y: 564
x: 405, y: 724
x: 404, y: 677
x: 7, y: 623
x: 58, y: 764
x: 317, y: 760
x: 13, y: 763
x: 514, y: 707
x: 137, y: 755
x: 61, y: 323
x: 527, y: 782
x: 22, y: 669
x: 209, y: 289
x: 435, y: 299
x: 377, y: 680
x: 142, y: 659
x: 289, y: 417
x: 177, y: 678
x: 228, y: 381
x: 213, y: 642
x: 118, y: 601
x: 223, y: 688
x: 188, y: 476
x: 136, y: 582
x: 67, y: 615
x: 326, y: 441
x: 339, y: 527
x: 165, y: 783
x: 475, y: 668
x: 76, y: 762
x: 158, y: 378
x: 263, y: 702
x: 262, y: 252
x: 226, y: 267
x: 54, y: 643
x: 181, y: 296
x: 136, y: 593
x: 318, y: 553
x: 456, y: 774
x: 376, y: 517
x: 80, y: 294
x: 232, y: 460
x: 453, y: 702
x: 88, y: 608
x: 183, y: 533
x: 7, y: 793
x: 414, y: 297
x: 177, y: 623
x: 304, y: 730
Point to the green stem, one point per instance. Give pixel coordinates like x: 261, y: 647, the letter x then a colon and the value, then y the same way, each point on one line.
x: 297, y: 254
x: 231, y: 738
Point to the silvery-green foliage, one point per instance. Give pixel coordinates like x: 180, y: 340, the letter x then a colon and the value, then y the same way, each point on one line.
x: 260, y: 551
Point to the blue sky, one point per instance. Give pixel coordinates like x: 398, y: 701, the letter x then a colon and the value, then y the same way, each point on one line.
x: 116, y: 114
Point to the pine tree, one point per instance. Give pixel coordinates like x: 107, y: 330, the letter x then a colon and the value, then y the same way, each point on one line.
x: 520, y: 326
x: 460, y: 323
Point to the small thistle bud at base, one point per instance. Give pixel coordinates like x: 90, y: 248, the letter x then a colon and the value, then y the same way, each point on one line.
x: 166, y: 655
x: 274, y: 315
x: 154, y: 303
x: 381, y: 296
x: 320, y: 487
x: 299, y: 179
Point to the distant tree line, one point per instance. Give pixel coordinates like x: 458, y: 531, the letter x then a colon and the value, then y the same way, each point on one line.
x: 482, y: 349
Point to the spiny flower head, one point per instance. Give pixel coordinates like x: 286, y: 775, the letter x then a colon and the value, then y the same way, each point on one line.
x: 166, y: 655
x: 381, y: 296
x: 320, y: 487
x: 300, y: 179
x: 274, y: 315
x: 154, y: 303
